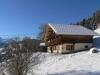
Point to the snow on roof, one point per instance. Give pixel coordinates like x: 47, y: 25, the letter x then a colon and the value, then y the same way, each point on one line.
x: 61, y: 29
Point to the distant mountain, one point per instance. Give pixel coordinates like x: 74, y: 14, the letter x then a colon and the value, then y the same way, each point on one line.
x: 3, y: 42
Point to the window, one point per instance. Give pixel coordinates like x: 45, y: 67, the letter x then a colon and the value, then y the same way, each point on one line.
x: 69, y: 47
x: 86, y: 46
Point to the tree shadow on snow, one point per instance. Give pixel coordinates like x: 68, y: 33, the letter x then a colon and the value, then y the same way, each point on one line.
x: 74, y: 72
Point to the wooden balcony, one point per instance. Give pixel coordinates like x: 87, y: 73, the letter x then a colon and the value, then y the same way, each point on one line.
x: 54, y: 42
x: 61, y: 40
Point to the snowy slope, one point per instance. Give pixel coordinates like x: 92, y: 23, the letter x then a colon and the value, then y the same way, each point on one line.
x: 80, y: 63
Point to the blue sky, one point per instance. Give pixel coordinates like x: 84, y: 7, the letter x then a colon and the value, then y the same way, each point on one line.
x: 23, y: 17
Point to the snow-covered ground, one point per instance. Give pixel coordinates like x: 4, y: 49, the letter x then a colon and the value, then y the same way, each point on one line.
x: 81, y: 63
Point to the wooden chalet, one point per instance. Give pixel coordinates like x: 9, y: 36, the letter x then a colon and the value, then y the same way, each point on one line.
x: 67, y: 38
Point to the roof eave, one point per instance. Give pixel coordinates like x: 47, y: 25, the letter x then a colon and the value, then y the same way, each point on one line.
x: 78, y: 34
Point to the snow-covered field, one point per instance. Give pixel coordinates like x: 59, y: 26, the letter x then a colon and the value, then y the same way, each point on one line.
x: 81, y: 63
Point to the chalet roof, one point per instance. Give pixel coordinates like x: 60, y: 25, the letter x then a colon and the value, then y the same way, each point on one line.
x: 71, y: 30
